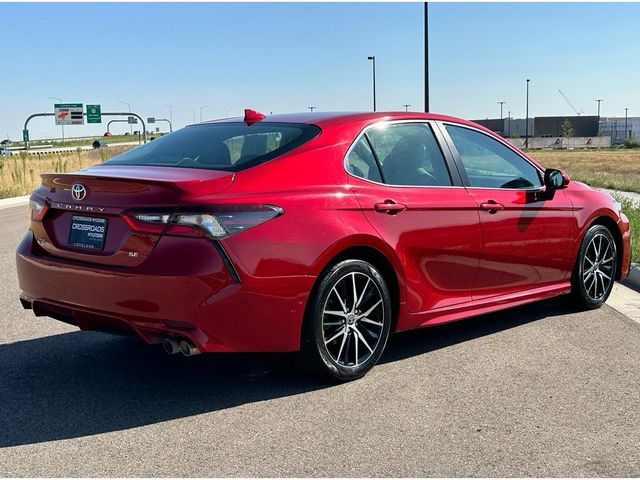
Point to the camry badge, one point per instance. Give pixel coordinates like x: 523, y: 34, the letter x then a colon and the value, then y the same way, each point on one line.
x: 78, y: 191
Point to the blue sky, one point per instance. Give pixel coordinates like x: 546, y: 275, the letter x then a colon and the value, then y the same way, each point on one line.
x: 285, y: 57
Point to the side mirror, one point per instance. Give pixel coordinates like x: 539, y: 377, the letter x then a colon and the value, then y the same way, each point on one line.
x: 555, y: 178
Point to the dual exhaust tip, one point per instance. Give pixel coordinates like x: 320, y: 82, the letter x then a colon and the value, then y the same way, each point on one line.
x: 172, y: 346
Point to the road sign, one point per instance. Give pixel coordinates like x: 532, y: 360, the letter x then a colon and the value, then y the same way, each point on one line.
x: 151, y: 120
x: 132, y: 120
x: 94, y: 115
x: 25, y: 135
x: 69, y: 113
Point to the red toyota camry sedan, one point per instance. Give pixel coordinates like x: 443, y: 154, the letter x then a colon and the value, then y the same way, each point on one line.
x: 319, y: 232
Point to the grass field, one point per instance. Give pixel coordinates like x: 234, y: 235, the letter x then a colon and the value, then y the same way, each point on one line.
x: 19, y: 174
x: 616, y: 169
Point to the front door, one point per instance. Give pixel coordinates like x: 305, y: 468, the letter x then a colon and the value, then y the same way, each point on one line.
x: 527, y: 235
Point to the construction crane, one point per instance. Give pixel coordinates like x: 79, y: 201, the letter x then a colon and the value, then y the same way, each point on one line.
x: 578, y: 112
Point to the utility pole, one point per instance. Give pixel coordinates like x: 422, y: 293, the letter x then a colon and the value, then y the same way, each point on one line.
x: 426, y: 57
x: 406, y: 107
x: 626, y: 111
x: 501, y: 104
x: 598, y: 102
x: 373, y: 59
x: 526, y: 122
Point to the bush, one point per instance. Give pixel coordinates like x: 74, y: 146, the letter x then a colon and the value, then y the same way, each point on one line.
x: 631, y: 143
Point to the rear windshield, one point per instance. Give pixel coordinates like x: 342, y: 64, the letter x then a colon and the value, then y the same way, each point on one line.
x: 219, y: 146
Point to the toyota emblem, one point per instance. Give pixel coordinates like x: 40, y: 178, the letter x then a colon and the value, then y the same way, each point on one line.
x: 78, y: 191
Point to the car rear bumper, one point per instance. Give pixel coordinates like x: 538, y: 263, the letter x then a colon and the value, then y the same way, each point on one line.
x: 184, y: 288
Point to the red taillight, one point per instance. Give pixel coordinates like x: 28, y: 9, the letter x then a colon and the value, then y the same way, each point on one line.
x: 210, y: 221
x: 38, y: 207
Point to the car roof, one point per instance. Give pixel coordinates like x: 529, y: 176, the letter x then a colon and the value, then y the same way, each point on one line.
x: 331, y: 119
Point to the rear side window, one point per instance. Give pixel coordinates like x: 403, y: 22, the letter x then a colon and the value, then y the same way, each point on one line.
x: 222, y: 146
x: 409, y: 155
x: 362, y: 163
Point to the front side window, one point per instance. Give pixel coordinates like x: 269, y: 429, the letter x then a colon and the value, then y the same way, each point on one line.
x: 229, y: 146
x: 409, y: 155
x: 490, y: 164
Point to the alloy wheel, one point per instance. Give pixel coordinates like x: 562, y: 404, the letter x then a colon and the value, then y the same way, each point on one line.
x: 598, y: 267
x: 353, y: 319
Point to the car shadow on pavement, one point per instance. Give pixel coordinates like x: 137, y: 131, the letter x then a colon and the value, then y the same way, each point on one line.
x: 83, y: 383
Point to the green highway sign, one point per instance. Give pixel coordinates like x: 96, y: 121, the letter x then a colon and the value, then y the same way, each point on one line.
x: 25, y: 135
x: 94, y: 115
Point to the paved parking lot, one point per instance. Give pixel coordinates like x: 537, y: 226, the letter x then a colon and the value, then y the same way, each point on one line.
x: 536, y: 391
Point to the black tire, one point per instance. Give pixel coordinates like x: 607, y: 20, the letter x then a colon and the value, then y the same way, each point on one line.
x: 590, y: 288
x: 338, y: 344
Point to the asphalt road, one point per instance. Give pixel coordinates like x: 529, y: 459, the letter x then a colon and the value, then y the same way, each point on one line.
x: 536, y: 391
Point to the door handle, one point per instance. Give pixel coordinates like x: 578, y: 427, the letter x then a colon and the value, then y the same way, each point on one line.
x: 491, y: 206
x: 389, y: 207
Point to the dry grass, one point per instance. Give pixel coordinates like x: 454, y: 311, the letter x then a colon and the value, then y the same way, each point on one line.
x: 616, y: 169
x: 21, y: 174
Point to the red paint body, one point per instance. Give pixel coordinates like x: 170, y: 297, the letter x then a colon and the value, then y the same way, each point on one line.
x: 449, y: 258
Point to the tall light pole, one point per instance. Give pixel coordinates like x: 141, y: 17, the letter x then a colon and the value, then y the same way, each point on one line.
x: 626, y: 111
x: 60, y: 100
x: 170, y: 116
x: 406, y: 107
x: 226, y: 113
x: 130, y: 125
x: 426, y: 57
x: 311, y: 109
x: 373, y: 59
x: 201, y: 109
x: 501, y: 121
x: 193, y: 111
x: 526, y: 122
x: 509, y: 123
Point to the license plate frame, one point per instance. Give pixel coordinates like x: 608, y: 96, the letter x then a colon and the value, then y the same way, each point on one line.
x: 88, y: 232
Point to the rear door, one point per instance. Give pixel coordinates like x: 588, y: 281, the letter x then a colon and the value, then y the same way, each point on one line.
x: 416, y: 202
x: 527, y: 236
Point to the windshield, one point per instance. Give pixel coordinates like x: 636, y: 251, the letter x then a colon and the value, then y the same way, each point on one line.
x: 219, y: 146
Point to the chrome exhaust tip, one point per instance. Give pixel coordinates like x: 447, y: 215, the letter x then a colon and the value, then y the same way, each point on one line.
x: 188, y: 349
x: 170, y: 346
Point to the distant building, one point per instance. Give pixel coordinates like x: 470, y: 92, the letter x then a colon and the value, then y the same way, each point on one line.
x: 614, y: 127
x: 583, y: 126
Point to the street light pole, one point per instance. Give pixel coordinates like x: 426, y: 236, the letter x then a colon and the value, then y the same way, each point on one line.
x: 526, y: 122
x: 598, y: 102
x: 426, y: 57
x: 193, y: 111
x: 311, y: 109
x: 201, y: 109
x: 60, y: 100
x: 501, y: 104
x: 406, y: 107
x: 170, y: 116
x: 509, y: 123
x: 373, y: 59
x: 501, y: 121
x: 129, y: 107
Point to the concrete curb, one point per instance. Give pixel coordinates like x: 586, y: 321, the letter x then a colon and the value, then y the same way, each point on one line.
x: 14, y: 201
